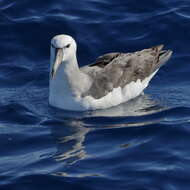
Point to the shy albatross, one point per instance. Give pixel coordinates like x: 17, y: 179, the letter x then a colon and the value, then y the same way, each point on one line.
x: 112, y: 79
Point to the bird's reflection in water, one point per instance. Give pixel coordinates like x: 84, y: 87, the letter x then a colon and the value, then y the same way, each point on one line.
x: 69, y: 138
x: 70, y: 133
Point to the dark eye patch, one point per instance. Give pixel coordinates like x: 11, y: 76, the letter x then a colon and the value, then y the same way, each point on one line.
x: 67, y: 46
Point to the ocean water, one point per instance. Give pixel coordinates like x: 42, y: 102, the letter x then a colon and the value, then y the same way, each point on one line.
x: 140, y: 145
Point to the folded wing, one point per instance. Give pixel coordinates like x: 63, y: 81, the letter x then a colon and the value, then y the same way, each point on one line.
x: 115, y: 70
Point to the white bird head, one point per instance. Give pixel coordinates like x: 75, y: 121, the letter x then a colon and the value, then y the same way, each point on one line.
x: 63, y: 49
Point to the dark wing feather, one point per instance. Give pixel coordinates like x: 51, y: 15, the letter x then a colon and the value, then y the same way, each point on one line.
x: 119, y: 69
x: 105, y: 59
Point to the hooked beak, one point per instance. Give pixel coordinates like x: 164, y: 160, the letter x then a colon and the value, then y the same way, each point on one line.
x: 57, y: 61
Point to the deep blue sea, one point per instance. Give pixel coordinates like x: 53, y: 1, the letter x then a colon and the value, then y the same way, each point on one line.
x: 143, y: 144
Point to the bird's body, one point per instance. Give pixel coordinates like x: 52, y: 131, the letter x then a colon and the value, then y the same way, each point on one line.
x: 114, y: 78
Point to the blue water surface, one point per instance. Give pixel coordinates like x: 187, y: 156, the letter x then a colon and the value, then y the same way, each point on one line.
x: 139, y: 145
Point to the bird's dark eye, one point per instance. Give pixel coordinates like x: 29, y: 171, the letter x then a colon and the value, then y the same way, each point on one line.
x: 67, y: 46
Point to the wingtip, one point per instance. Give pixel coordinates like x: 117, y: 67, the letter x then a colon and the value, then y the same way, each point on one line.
x: 158, y: 47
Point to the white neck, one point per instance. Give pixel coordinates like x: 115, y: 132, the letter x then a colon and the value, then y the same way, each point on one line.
x: 68, y: 82
x: 70, y: 68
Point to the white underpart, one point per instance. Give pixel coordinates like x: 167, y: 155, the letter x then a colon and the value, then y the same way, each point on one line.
x: 61, y: 95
